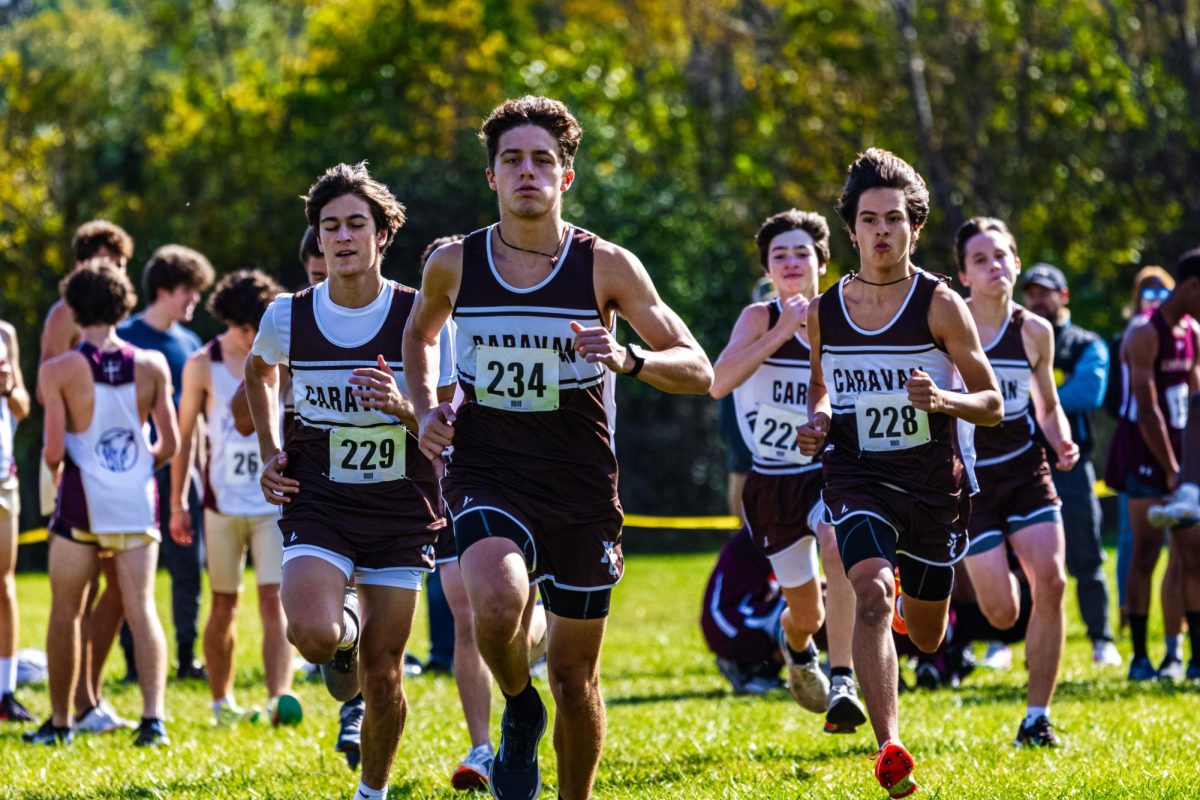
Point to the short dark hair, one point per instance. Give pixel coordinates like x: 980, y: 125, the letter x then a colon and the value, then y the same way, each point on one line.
x: 972, y: 228
x: 90, y: 237
x: 439, y: 242
x: 548, y: 114
x: 308, y: 246
x: 880, y: 169
x: 793, y: 219
x: 1188, y: 266
x: 98, y: 292
x: 172, y: 266
x: 241, y: 297
x: 342, y: 179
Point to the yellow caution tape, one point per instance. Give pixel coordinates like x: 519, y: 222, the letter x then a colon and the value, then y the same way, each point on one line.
x: 683, y: 523
x: 32, y: 537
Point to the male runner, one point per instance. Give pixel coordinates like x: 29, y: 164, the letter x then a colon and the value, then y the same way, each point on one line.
x: 358, y: 498
x: 14, y: 407
x: 532, y: 484
x: 97, y: 399
x: 766, y: 367
x: 886, y: 343
x: 1162, y: 372
x: 1017, y: 502
x: 237, y: 518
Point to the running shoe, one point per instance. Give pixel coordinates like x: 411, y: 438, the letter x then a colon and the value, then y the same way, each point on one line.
x: 806, y: 682
x: 228, y: 715
x: 515, y: 774
x: 472, y: 773
x: 412, y: 666
x: 11, y: 710
x: 747, y: 681
x: 1180, y: 509
x: 151, y: 733
x: 893, y: 769
x: 928, y: 676
x: 1193, y: 671
x: 1106, y: 654
x: 285, y: 710
x: 1171, y: 669
x: 350, y: 726
x: 193, y: 671
x: 48, y: 734
x: 845, y: 711
x: 1039, y: 733
x: 1140, y: 669
x: 998, y: 656
x: 103, y: 719
x: 341, y: 672
x: 898, y: 623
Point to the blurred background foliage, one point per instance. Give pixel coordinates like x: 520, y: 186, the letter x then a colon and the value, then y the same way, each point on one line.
x: 201, y: 121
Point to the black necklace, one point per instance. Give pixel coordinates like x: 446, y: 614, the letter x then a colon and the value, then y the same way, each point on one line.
x: 854, y: 276
x: 552, y: 256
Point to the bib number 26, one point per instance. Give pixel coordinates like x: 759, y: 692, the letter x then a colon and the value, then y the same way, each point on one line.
x: 366, y: 455
x: 888, y: 422
x: 517, y: 378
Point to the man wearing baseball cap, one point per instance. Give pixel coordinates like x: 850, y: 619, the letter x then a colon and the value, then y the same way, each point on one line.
x: 1081, y: 371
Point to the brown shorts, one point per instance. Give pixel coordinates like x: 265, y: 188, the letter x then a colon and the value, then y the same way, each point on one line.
x: 398, y: 560
x: 576, y: 550
x: 444, y: 549
x: 1013, y: 494
x: 779, y: 508
x: 932, y: 534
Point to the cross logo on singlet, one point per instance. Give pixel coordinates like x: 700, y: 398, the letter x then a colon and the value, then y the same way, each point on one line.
x: 112, y: 370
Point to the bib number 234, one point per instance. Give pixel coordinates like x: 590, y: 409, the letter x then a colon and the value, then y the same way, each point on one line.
x: 366, y: 455
x: 517, y: 378
x: 888, y: 422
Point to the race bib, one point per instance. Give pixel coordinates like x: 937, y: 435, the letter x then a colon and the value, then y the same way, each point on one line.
x: 366, y: 455
x: 242, y: 465
x: 516, y: 378
x: 1177, y: 405
x: 889, y: 422
x: 775, y: 434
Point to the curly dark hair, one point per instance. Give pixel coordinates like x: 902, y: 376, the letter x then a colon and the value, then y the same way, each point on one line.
x: 98, y: 292
x: 341, y: 179
x: 881, y: 169
x: 810, y: 222
x: 90, y: 237
x: 241, y: 297
x: 530, y: 110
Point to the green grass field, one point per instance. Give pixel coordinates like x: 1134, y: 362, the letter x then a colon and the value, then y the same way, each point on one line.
x: 674, y: 729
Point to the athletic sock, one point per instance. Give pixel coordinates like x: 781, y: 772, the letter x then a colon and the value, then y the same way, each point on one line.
x: 83, y: 713
x: 1137, y: 634
x: 525, y: 705
x: 842, y: 672
x: 227, y: 700
x: 367, y: 793
x: 803, y: 657
x: 1193, y: 620
x: 1033, y: 712
x: 8, y: 675
x: 349, y: 631
x: 1174, y: 646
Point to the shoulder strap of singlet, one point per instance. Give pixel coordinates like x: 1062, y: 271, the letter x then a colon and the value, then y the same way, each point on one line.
x: 215, y: 354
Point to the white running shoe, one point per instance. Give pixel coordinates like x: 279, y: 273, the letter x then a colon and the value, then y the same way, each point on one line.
x: 998, y: 656
x: 807, y: 683
x: 1180, y: 509
x: 1106, y: 654
x: 845, y: 711
x: 472, y: 773
x: 103, y: 719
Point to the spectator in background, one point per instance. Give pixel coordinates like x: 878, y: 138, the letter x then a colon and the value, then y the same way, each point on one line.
x: 14, y: 406
x: 172, y: 282
x: 1081, y: 372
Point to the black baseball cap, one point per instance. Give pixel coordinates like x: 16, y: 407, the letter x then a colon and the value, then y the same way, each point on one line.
x: 1046, y: 275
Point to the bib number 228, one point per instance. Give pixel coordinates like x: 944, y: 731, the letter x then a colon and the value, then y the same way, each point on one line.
x: 888, y: 422
x: 366, y: 455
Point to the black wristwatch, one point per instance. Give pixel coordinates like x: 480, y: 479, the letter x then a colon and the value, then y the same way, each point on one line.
x: 638, y: 361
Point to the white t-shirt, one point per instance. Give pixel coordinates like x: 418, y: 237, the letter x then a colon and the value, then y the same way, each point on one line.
x: 344, y: 327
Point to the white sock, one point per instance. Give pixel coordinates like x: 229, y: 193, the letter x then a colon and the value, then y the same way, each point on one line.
x: 1033, y: 712
x: 1174, y: 647
x: 227, y: 700
x: 8, y: 675
x: 367, y: 793
x: 349, y: 632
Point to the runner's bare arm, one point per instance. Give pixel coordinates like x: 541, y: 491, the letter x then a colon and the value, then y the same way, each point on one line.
x: 811, y: 435
x: 192, y: 402
x: 951, y: 325
x: 434, y: 304
x: 162, y: 410
x: 1140, y: 351
x: 675, y: 362
x: 239, y: 408
x: 54, y: 417
x: 14, y: 381
x: 1038, y: 338
x: 750, y: 344
x: 260, y: 379
x: 58, y: 332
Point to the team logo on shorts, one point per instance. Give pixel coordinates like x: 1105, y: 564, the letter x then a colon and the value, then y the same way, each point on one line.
x: 612, y: 557
x: 117, y: 449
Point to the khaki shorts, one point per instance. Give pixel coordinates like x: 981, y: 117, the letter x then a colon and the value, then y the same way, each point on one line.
x: 227, y: 538
x: 108, y: 543
x: 10, y: 498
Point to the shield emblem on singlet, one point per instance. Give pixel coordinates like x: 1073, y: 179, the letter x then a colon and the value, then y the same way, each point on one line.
x: 117, y: 449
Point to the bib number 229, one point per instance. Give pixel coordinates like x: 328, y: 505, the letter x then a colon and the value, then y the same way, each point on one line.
x: 366, y: 455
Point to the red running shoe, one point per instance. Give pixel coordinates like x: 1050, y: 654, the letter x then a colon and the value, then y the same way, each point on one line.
x: 898, y: 623
x: 893, y: 769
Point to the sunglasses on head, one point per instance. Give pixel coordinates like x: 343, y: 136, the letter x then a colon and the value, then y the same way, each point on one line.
x: 1155, y: 294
